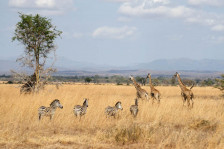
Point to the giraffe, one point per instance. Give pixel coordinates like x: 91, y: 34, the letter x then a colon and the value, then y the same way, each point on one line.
x: 186, y: 93
x: 141, y: 93
x: 155, y: 94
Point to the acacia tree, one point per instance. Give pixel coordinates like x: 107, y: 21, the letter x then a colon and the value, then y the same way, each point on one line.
x: 37, y: 34
x: 88, y: 79
x: 220, y: 84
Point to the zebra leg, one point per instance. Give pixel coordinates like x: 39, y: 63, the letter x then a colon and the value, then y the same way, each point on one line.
x: 192, y: 103
x: 51, y: 116
x: 39, y: 117
x: 136, y: 113
x: 80, y: 118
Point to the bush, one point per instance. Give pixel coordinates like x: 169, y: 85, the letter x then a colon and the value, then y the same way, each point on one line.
x: 131, y: 134
x: 220, y: 83
x: 119, y: 83
x: 204, y: 125
x: 10, y: 82
x: 88, y: 80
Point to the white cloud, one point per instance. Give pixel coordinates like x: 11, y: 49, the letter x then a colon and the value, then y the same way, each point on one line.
x: 219, y: 27
x: 46, y: 7
x: 146, y: 1
x: 154, y: 8
x: 161, y: 8
x: 45, y: 3
x: 114, y: 32
x: 117, y: 0
x: 17, y: 3
x: 207, y: 2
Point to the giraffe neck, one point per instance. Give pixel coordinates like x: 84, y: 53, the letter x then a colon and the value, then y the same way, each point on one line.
x: 182, y: 86
x: 136, y: 84
x: 150, y: 82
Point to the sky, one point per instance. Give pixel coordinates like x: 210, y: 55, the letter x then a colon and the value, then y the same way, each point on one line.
x: 123, y: 32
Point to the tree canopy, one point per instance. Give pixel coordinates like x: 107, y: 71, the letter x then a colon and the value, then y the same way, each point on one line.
x: 37, y: 34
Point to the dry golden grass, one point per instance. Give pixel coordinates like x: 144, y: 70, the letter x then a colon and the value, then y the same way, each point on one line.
x: 169, y: 125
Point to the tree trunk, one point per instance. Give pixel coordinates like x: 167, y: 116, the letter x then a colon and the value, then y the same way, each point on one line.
x: 37, y: 70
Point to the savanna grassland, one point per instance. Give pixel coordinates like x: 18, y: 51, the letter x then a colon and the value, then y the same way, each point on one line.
x: 169, y: 125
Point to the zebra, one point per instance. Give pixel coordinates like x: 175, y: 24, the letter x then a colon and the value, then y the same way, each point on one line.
x: 134, y: 108
x: 81, y: 110
x: 49, y: 111
x: 113, y: 111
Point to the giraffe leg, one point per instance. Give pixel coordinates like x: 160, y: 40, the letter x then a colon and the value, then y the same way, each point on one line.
x: 192, y: 103
x: 157, y: 98
x: 183, y: 98
x: 188, y: 102
x: 153, y: 100
x: 147, y: 97
x: 39, y: 116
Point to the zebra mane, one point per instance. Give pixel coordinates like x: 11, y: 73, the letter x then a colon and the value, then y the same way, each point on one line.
x: 117, y: 103
x: 85, y: 102
x: 54, y: 101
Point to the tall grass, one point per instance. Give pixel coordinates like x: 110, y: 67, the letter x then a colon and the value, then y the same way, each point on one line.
x: 168, y: 125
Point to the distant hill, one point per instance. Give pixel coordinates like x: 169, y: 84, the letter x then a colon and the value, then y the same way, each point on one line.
x: 183, y: 64
x: 70, y: 67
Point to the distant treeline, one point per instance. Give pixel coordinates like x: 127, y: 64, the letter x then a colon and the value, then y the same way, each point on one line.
x: 120, y: 80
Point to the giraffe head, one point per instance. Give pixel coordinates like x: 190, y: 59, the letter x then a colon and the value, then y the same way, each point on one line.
x: 176, y: 74
x: 131, y: 77
x: 149, y: 75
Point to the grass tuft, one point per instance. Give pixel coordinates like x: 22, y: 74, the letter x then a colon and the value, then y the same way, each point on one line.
x: 204, y: 125
x: 130, y: 134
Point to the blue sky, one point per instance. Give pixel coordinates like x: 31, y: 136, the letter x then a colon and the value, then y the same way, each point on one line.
x: 123, y: 32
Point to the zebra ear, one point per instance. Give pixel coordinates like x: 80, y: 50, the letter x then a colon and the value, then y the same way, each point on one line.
x: 86, y: 100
